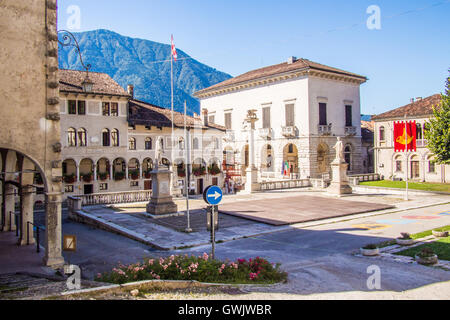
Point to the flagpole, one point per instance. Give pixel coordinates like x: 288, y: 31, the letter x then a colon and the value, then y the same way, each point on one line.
x: 171, y: 98
x: 186, y: 169
x: 406, y: 154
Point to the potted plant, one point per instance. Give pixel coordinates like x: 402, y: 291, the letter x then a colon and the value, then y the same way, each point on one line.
x: 426, y: 257
x: 87, y: 177
x: 213, y: 169
x: 199, y: 171
x: 147, y: 174
x: 103, y: 176
x: 134, y: 174
x: 119, y: 176
x: 181, y: 172
x: 370, y: 250
x: 69, y: 178
x: 405, y: 239
x: 440, y: 233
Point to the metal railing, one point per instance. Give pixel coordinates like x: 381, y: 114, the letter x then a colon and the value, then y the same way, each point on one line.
x: 37, y: 234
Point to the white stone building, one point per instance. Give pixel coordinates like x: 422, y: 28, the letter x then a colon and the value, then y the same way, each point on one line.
x: 302, y: 107
x: 391, y: 164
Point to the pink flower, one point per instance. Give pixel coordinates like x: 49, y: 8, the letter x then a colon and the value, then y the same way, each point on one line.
x: 150, y: 261
x: 205, y: 256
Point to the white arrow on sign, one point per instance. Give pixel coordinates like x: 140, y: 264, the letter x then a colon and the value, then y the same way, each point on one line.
x: 215, y: 195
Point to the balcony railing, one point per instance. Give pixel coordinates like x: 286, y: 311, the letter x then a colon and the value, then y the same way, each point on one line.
x: 324, y: 130
x: 289, y: 131
x: 265, y: 133
x: 350, y: 131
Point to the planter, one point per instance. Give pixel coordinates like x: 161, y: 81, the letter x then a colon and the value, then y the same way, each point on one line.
x: 370, y: 252
x: 440, y: 234
x: 134, y: 176
x: 427, y: 260
x: 87, y: 179
x: 404, y: 242
x: 147, y: 175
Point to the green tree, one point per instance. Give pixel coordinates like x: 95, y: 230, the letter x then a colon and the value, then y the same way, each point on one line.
x: 438, y: 129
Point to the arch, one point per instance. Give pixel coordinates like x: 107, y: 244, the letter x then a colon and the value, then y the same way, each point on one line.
x: 71, y: 137
x: 132, y: 143
x: 382, y: 133
x: 323, y: 161
x: 119, y: 168
x: 69, y: 170
x: 267, y: 158
x: 133, y: 169
x: 414, y: 166
x: 290, y: 160
x: 86, y: 170
x: 419, y: 131
x: 115, y: 138
x: 106, y: 139
x: 397, y: 162
x: 82, y: 137
x: 148, y: 143
x: 199, y: 167
x: 147, y: 167
x: 103, y: 169
x: 431, y: 163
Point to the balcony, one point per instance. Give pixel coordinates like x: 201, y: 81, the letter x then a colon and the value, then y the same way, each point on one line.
x: 324, y: 130
x: 265, y: 133
x: 229, y: 136
x: 289, y: 131
x: 350, y: 131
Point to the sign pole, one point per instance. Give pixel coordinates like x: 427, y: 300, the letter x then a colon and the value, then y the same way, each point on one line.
x: 213, y: 232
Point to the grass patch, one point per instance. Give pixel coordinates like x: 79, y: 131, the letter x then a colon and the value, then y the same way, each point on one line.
x: 201, y: 268
x: 440, y: 247
x: 426, y: 186
x: 415, y: 236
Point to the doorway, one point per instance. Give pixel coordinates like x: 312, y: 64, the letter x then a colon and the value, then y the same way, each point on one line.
x: 200, y: 186
x: 88, y: 189
x: 415, y: 169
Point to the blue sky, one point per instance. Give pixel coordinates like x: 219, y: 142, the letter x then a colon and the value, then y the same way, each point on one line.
x: 408, y: 57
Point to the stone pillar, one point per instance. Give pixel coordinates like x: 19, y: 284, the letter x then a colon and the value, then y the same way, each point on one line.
x: 94, y: 166
x: 251, y: 173
x: 339, y: 184
x: 9, y: 206
x: 78, y: 173
x: 26, y: 213
x: 53, y: 251
x: 161, y: 201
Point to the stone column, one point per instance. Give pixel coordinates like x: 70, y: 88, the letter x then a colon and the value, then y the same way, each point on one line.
x: 251, y: 182
x: 94, y: 166
x: 78, y: 173
x: 26, y: 213
x: 10, y: 222
x: 53, y: 251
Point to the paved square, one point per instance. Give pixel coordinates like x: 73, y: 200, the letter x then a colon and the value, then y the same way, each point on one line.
x: 303, y: 208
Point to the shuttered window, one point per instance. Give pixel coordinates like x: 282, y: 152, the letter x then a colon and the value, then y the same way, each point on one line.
x: 228, y: 121
x: 289, y: 115
x: 266, y: 117
x: 323, y: 114
x: 348, y: 116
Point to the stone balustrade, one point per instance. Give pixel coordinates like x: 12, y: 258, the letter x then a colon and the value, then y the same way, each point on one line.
x: 355, y: 179
x: 284, y: 184
x: 115, y: 197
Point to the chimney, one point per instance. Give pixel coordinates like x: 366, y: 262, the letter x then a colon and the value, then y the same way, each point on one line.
x: 291, y: 60
x: 130, y: 90
x: 419, y: 98
x: 205, y: 117
x: 412, y: 100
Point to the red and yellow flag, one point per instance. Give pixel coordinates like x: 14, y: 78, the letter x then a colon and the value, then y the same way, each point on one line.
x: 405, y: 136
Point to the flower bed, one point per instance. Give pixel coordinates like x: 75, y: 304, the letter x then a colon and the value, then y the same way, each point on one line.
x: 200, y: 268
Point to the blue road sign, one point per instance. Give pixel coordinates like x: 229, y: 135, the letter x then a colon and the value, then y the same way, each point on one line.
x: 213, y: 195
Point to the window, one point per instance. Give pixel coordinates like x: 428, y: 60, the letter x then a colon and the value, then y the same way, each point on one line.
x: 348, y: 116
x: 291, y: 148
x: 323, y: 114
x: 228, y: 121
x: 105, y: 109
x: 419, y: 135
x: 134, y: 183
x: 148, y: 143
x: 68, y: 188
x: 105, y: 138
x: 82, y: 139
x: 81, y: 107
x: 132, y: 144
x: 431, y: 165
x: 72, y: 137
x: 195, y: 144
x: 211, y: 119
x: 348, y: 156
x: 103, y: 186
x: 114, y: 109
x: 398, y: 165
x: 181, y: 143
x: 72, y: 107
x: 289, y: 115
x: 115, y: 137
x: 382, y: 134
x: 266, y: 117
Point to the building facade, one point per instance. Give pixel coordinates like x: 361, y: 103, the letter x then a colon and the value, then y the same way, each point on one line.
x: 301, y: 106
x: 29, y: 121
x: 418, y: 165
x: 108, y: 140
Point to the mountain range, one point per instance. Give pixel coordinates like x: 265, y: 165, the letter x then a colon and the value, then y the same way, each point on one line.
x: 144, y: 64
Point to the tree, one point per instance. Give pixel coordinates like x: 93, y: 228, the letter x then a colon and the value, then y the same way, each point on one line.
x: 437, y: 130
